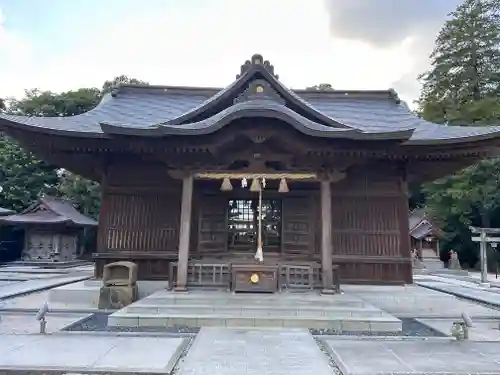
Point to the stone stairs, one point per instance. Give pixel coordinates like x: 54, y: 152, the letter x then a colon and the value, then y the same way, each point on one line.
x: 340, y: 312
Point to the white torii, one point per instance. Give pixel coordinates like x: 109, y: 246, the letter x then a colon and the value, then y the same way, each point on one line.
x: 483, y: 240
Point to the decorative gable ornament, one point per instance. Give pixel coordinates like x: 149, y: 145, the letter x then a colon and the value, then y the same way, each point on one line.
x: 259, y: 89
x: 257, y: 60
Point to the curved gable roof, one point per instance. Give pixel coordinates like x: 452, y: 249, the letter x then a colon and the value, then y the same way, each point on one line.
x: 254, y: 108
x: 257, y: 92
x: 256, y: 68
x: 50, y: 210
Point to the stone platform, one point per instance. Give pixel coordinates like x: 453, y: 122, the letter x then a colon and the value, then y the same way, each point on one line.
x: 418, y: 357
x: 340, y: 312
x: 255, y: 352
x: 91, y: 354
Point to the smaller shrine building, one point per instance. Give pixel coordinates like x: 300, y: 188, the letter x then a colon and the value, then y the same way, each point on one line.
x: 424, y: 234
x: 53, y: 230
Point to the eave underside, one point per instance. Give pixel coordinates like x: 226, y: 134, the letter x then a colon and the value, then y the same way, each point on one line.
x: 289, y: 148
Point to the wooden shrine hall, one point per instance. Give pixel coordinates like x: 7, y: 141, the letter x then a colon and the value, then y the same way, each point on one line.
x: 254, y: 187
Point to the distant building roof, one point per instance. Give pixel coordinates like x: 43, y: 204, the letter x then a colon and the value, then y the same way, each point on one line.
x: 50, y: 210
x: 256, y: 92
x: 421, y: 226
x: 5, y: 211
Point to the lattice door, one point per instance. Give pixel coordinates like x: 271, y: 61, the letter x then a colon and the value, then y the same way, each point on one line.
x: 40, y: 246
x: 297, y: 222
x: 212, y: 230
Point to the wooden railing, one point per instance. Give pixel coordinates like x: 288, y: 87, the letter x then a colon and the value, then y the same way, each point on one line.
x: 203, y: 274
x: 293, y: 276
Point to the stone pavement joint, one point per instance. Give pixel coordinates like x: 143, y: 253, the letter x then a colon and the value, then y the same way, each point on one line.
x: 17, y: 289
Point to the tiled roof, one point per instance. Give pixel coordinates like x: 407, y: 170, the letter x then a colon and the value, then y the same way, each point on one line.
x: 416, y: 216
x: 257, y: 108
x: 136, y: 109
x: 422, y: 230
x: 420, y: 225
x: 5, y: 211
x: 50, y: 210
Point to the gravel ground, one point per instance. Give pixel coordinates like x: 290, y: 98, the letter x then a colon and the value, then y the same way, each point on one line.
x: 183, y: 355
x: 411, y: 328
x: 325, y: 351
x: 99, y: 322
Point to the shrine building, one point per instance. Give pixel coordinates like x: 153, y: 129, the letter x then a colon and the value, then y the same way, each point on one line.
x: 255, y: 186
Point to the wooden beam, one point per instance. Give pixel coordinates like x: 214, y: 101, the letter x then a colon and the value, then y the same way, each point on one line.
x: 184, y: 234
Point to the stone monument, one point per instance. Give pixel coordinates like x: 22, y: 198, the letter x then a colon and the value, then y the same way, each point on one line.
x: 454, y: 263
x: 119, y: 287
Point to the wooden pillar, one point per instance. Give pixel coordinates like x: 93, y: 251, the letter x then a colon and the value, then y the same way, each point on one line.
x: 326, y: 237
x: 404, y: 231
x: 184, y: 233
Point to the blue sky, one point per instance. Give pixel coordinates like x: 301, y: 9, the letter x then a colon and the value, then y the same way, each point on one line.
x: 353, y: 44
x: 52, y: 26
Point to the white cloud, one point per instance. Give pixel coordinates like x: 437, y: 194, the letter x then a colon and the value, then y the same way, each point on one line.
x: 205, y: 46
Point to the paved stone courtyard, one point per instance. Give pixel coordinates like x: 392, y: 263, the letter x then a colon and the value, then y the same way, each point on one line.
x: 427, y: 309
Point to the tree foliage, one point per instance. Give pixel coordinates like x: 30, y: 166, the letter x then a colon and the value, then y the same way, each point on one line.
x: 464, y: 79
x: 462, y: 87
x: 120, y: 80
x: 47, y: 103
x: 321, y: 87
x: 85, y: 194
x: 23, y: 177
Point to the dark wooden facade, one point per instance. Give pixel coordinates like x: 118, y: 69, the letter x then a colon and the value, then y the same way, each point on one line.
x: 369, y: 226
x: 152, y: 148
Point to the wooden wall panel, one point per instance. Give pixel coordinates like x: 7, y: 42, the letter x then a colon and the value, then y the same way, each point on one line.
x: 140, y: 218
x: 369, y: 222
x: 141, y: 222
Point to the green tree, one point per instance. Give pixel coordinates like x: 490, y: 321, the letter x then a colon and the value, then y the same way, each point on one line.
x: 109, y: 85
x: 47, y: 103
x: 26, y: 177
x: 23, y: 177
x: 321, y: 87
x: 3, y: 106
x: 461, y: 87
x: 469, y: 197
x: 85, y: 194
x: 464, y: 78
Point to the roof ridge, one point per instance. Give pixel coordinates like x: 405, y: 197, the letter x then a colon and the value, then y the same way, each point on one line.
x: 162, y: 88
x: 385, y: 93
